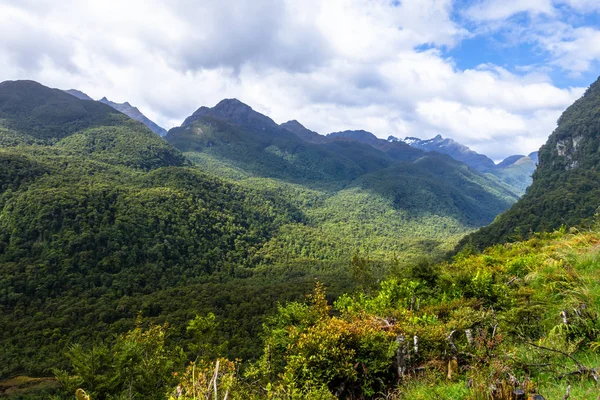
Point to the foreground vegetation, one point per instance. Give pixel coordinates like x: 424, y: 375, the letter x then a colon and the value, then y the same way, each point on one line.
x: 519, y: 317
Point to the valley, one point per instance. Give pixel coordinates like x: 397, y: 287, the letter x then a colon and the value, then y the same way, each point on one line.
x: 204, y: 245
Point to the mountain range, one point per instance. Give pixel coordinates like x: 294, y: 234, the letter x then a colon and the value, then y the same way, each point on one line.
x: 515, y: 170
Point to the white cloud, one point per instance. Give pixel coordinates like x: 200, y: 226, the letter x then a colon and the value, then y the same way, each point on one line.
x: 501, y: 9
x: 558, y: 28
x: 333, y: 65
x: 581, y: 5
x: 573, y: 49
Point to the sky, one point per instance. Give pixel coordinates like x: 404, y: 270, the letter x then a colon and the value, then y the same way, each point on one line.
x: 492, y: 74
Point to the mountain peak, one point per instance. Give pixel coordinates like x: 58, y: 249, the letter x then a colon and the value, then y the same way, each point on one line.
x: 235, y: 112
x: 358, y: 135
x: 510, y: 160
x: 133, y: 113
x: 232, y: 102
x: 293, y: 122
x: 303, y: 133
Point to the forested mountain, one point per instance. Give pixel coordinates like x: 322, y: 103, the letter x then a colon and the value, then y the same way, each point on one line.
x: 100, y: 218
x: 566, y: 184
x: 517, y: 171
x: 125, y: 108
x: 303, y: 133
x: 234, y: 134
x: 79, y: 94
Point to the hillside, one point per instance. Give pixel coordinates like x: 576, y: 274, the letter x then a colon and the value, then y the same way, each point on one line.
x: 31, y: 113
x: 566, y: 183
x: 125, y: 108
x: 517, y: 171
x: 102, y: 219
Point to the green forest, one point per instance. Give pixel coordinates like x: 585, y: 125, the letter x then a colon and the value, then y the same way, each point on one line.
x: 236, y: 260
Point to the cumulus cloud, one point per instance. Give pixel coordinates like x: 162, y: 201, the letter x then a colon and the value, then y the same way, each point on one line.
x: 502, y: 9
x: 379, y: 65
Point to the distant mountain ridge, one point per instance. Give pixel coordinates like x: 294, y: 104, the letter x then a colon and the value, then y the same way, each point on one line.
x: 79, y: 94
x: 232, y: 136
x: 303, y: 133
x: 454, y: 149
x: 136, y: 114
x: 126, y: 108
x: 514, y: 170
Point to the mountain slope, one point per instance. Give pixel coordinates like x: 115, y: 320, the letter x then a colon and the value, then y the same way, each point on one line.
x: 125, y: 108
x: 508, y: 161
x: 566, y: 183
x: 305, y: 134
x: 397, y: 150
x: 134, y: 113
x: 34, y: 114
x: 235, y: 134
x: 101, y: 219
x: 79, y: 94
x: 516, y: 171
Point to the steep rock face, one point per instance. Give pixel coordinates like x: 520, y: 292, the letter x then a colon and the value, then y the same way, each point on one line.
x: 135, y: 114
x: 454, y: 149
x: 566, y: 183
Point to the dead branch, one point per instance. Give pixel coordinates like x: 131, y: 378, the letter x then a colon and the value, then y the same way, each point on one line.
x: 580, y: 365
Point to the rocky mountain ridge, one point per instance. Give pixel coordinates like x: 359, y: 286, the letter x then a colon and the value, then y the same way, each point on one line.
x: 126, y: 108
